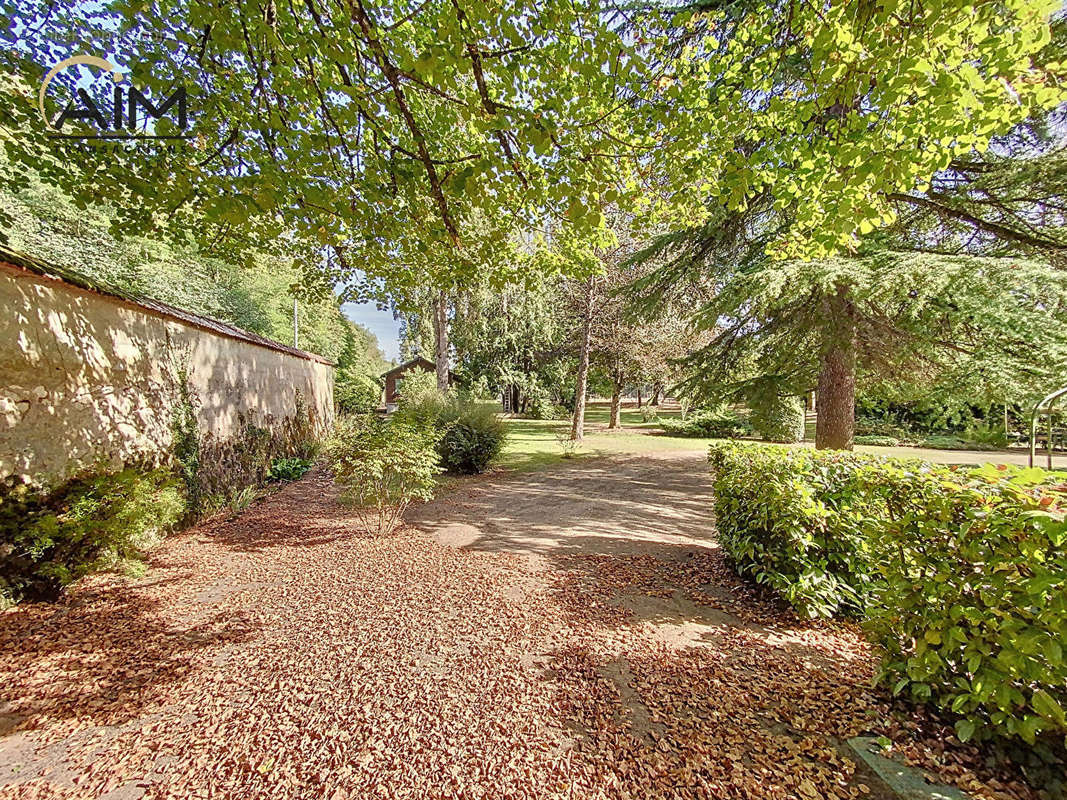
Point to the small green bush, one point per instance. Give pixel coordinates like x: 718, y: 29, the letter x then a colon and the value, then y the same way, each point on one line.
x: 470, y: 434
x: 953, y: 443
x: 878, y: 441
x: 473, y: 436
x: 288, y: 469
x: 382, y: 465
x: 355, y: 393
x: 707, y: 424
x: 48, y: 542
x: 779, y: 418
x: 961, y: 574
x: 543, y: 407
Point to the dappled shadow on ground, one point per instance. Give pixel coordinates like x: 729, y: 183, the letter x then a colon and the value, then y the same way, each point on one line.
x: 677, y: 678
x: 641, y: 505
x: 564, y: 642
x: 102, y: 657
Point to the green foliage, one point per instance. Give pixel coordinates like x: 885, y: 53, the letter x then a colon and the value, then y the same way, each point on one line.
x: 990, y: 434
x: 185, y: 440
x: 90, y: 523
x: 953, y: 443
x: 961, y: 574
x: 707, y: 423
x: 877, y: 440
x: 355, y: 393
x: 793, y: 520
x: 382, y: 465
x: 469, y: 434
x: 944, y: 413
x: 543, y: 407
x: 971, y: 601
x: 778, y: 418
x: 288, y: 469
x: 240, y: 499
x: 474, y: 435
x: 568, y: 447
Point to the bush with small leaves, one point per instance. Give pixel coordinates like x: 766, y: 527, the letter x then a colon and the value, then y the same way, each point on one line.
x: 382, y: 465
x: 707, y: 424
x: 49, y: 541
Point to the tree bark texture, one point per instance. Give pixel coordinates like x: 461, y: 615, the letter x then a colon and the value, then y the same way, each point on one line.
x: 578, y: 421
x: 616, y: 404
x: 836, y: 394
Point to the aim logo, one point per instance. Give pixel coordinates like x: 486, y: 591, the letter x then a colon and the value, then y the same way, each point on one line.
x: 127, y: 102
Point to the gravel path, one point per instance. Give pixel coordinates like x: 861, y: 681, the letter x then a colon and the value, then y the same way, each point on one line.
x: 571, y: 633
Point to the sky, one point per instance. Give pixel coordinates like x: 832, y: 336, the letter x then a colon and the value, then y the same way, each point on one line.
x: 380, y: 323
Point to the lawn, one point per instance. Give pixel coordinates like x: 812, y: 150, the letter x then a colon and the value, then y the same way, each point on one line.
x: 533, y: 444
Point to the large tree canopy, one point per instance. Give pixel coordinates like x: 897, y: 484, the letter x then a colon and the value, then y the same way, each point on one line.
x: 377, y: 137
x: 384, y: 135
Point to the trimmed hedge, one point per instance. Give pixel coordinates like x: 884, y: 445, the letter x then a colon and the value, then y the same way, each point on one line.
x: 961, y: 574
x: 778, y: 418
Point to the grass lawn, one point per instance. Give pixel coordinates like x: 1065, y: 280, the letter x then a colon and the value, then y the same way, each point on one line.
x: 533, y: 444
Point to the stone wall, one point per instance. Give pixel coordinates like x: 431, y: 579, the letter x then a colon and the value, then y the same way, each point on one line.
x: 89, y: 379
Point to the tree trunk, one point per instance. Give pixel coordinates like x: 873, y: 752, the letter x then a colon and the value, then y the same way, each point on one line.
x: 440, y: 330
x: 639, y: 397
x: 835, y: 402
x: 616, y: 402
x: 578, y: 421
x: 656, y: 391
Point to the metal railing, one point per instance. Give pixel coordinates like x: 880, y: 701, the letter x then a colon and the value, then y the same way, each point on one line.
x: 1045, y: 404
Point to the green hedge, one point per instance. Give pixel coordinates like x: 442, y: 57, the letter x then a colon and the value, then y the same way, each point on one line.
x: 779, y: 418
x: 961, y: 574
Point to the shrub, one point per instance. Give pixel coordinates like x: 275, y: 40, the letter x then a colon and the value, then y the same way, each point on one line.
x: 288, y: 469
x: 953, y: 443
x: 971, y: 605
x: 780, y: 521
x: 961, y: 573
x: 469, y: 434
x: 543, y: 407
x: 778, y: 418
x: 473, y: 436
x: 870, y: 426
x: 990, y: 434
x: 878, y: 441
x: 355, y: 393
x: 49, y: 541
x: 707, y: 424
x: 568, y: 447
x: 382, y: 465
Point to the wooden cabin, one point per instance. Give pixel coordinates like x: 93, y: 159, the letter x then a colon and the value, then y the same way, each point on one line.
x: 394, y: 378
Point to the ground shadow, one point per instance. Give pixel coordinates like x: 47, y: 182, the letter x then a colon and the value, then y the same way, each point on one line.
x: 103, y: 654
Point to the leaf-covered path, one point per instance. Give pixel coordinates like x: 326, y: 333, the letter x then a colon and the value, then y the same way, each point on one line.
x: 567, y: 633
